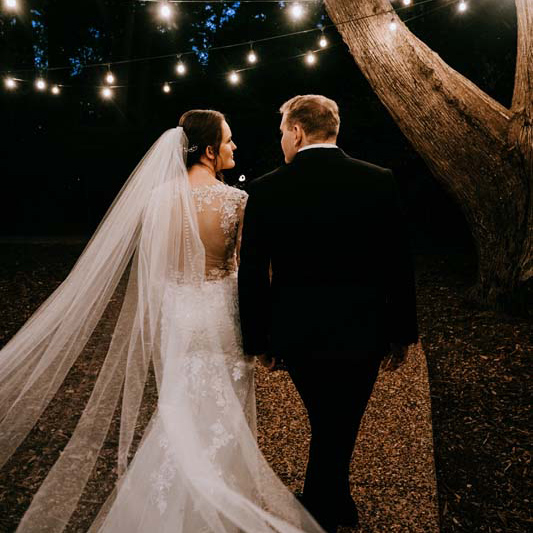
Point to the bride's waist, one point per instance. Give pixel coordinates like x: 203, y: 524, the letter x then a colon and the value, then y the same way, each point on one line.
x: 225, y: 282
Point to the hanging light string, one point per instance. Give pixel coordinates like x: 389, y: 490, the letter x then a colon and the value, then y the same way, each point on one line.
x: 11, y: 81
x: 240, y: 44
x: 228, y: 1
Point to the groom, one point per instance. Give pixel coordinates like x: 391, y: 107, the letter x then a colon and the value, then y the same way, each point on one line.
x: 341, y: 297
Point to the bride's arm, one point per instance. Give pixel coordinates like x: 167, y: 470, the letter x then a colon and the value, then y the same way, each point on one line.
x: 242, y: 207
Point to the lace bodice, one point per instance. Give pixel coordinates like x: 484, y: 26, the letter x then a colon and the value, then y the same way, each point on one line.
x: 220, y: 210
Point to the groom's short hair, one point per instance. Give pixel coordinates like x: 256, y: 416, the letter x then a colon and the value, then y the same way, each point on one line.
x: 317, y: 115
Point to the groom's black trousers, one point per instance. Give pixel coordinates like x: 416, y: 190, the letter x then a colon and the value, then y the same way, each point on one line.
x: 335, y: 393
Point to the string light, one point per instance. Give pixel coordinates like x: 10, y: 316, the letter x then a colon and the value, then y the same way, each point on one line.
x: 165, y: 11
x: 40, y: 84
x: 110, y: 78
x: 11, y: 4
x: 10, y: 83
x: 107, y: 93
x: 181, y: 69
x: 297, y: 11
x: 310, y: 58
x: 234, y: 77
x: 252, y: 56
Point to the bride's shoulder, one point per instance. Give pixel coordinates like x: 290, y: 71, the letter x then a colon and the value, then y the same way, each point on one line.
x: 236, y: 194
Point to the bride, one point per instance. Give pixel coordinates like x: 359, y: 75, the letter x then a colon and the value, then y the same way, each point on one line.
x: 174, y: 232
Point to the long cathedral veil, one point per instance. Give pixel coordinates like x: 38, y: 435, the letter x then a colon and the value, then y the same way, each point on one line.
x: 151, y: 227
x: 152, y: 220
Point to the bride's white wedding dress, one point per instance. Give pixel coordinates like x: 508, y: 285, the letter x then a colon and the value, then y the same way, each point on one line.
x: 199, y: 468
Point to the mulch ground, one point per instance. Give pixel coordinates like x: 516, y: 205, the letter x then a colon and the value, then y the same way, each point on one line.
x: 478, y: 376
x: 479, y: 364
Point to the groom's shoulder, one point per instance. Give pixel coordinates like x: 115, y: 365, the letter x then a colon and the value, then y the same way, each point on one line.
x: 267, y: 181
x: 372, y: 168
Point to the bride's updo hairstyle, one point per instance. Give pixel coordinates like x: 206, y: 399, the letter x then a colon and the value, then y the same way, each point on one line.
x: 203, y: 128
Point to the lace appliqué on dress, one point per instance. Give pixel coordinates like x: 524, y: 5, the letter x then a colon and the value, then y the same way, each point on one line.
x: 162, y: 479
x: 231, y: 206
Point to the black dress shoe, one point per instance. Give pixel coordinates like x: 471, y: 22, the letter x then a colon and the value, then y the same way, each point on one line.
x: 348, y: 516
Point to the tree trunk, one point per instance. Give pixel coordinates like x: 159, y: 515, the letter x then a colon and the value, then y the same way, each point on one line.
x: 479, y: 150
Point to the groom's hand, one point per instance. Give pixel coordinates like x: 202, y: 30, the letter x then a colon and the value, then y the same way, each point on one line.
x: 396, y: 358
x: 267, y: 361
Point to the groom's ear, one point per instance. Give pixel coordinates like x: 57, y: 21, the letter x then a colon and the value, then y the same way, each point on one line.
x: 298, y: 134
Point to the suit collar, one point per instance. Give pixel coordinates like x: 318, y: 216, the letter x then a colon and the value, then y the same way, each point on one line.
x: 318, y: 153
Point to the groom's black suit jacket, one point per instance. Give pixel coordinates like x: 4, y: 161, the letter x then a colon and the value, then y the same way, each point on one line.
x: 333, y: 229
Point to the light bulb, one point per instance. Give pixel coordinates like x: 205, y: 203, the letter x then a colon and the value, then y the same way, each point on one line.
x: 110, y: 78
x: 180, y: 68
x: 55, y: 89
x: 166, y: 88
x: 234, y: 77
x: 10, y: 83
x: 310, y: 58
x: 323, y: 42
x: 406, y: 2
x: 165, y: 11
x: 40, y: 84
x: 297, y: 11
x: 107, y: 92
x: 11, y: 4
x: 462, y: 6
x: 393, y: 26
x: 252, y: 57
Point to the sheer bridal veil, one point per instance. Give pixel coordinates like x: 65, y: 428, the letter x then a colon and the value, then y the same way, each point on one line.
x: 151, y: 227
x: 152, y: 220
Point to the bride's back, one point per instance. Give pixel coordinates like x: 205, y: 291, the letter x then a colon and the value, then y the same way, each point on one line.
x: 220, y: 210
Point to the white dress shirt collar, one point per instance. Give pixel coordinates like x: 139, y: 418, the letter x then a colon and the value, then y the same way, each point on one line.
x: 318, y: 145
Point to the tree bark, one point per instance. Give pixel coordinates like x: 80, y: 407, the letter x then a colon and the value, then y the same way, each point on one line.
x: 478, y: 149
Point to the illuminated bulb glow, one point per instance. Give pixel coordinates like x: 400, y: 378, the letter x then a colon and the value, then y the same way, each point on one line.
x: 11, y: 4
x: 234, y: 78
x: 10, y: 83
x: 110, y: 78
x: 107, y: 92
x: 323, y: 42
x: 165, y: 11
x: 180, y: 68
x: 40, y: 84
x: 55, y: 89
x: 252, y: 57
x: 462, y: 6
x: 297, y: 11
x: 393, y: 26
x: 406, y: 2
x: 310, y: 58
x: 166, y: 88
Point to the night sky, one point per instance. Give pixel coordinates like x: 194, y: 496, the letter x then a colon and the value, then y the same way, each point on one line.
x: 65, y: 157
